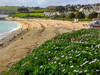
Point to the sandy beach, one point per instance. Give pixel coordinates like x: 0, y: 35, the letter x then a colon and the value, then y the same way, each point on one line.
x: 38, y: 32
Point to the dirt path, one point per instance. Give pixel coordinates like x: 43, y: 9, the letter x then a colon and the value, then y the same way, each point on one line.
x: 40, y: 31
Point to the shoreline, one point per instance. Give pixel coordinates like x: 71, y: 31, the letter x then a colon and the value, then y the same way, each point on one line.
x: 11, y: 35
x: 5, y: 34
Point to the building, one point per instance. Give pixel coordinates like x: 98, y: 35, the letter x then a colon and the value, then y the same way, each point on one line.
x: 88, y: 10
x: 51, y: 13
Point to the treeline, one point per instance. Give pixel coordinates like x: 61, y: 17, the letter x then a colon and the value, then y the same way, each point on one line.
x: 65, y: 12
x: 78, y: 15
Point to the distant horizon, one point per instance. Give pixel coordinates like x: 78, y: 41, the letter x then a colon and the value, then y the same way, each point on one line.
x: 45, y: 3
x: 43, y: 7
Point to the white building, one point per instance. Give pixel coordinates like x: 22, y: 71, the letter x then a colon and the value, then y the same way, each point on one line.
x: 88, y: 11
x: 51, y: 13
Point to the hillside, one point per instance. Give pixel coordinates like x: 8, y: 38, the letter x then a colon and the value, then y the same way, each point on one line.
x: 8, y: 9
x: 70, y: 53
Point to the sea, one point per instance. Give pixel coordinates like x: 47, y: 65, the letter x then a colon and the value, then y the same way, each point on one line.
x: 7, y: 27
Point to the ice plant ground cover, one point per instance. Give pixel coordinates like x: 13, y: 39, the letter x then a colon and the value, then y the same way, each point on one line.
x: 76, y: 53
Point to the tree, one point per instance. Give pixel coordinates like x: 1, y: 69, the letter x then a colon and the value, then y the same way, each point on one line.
x: 80, y: 15
x: 60, y: 8
x: 37, y: 8
x: 59, y: 16
x: 93, y: 15
x: 71, y: 15
x: 51, y: 8
x: 22, y: 10
x: 72, y: 8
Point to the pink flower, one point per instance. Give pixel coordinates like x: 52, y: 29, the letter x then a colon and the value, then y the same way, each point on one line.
x: 72, y: 39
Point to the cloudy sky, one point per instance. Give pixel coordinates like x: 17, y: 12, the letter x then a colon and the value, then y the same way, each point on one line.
x: 44, y: 3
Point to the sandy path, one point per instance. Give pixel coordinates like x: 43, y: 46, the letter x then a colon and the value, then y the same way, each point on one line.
x: 40, y: 31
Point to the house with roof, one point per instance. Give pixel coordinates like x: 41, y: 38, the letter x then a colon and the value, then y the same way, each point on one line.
x: 87, y: 10
x: 47, y: 13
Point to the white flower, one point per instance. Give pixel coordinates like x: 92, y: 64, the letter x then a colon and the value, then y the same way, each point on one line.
x: 56, y: 58
x: 75, y: 71
x: 84, y: 63
x: 85, y: 70
x: 62, y: 56
x: 93, y: 61
x: 59, y: 63
x: 48, y: 51
x: 62, y: 65
x: 97, y: 70
x: 35, y: 58
x: 48, y: 58
x: 78, y: 55
x: 41, y: 66
x: 72, y: 66
x: 63, y: 70
x: 70, y: 61
x: 98, y: 45
x: 72, y: 50
x: 55, y: 62
x: 80, y: 71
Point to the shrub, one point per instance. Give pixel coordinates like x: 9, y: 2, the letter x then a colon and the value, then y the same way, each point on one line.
x: 23, y: 10
x: 93, y: 15
x: 80, y: 15
x: 59, y: 16
x: 71, y: 15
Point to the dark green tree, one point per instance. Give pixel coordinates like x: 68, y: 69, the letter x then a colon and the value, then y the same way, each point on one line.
x: 71, y: 15
x: 60, y: 8
x: 22, y: 10
x: 80, y: 15
x: 93, y: 15
x: 72, y: 8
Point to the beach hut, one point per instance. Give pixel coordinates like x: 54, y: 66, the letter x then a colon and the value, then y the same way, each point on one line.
x: 95, y: 24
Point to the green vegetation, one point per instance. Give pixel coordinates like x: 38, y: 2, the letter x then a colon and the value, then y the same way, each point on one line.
x: 38, y: 10
x: 80, y: 15
x: 76, y: 53
x: 41, y: 15
x: 26, y: 15
x: 9, y: 8
x: 23, y: 10
x: 60, y: 9
x: 93, y: 15
x: 71, y: 15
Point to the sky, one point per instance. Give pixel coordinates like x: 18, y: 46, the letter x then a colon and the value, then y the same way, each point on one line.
x: 44, y: 3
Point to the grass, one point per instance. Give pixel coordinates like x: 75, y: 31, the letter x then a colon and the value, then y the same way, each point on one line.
x: 38, y: 10
x: 41, y: 15
x: 26, y: 15
x: 76, y: 53
x: 9, y: 8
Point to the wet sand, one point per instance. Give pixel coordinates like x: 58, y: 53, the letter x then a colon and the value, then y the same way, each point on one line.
x: 38, y: 32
